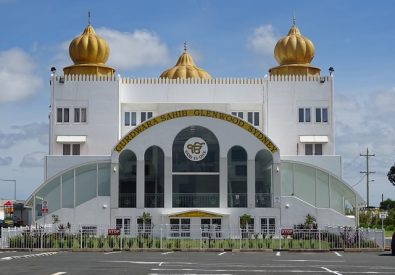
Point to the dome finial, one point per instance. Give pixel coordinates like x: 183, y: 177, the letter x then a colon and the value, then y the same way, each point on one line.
x: 294, y: 20
x: 185, y: 46
x: 89, y: 18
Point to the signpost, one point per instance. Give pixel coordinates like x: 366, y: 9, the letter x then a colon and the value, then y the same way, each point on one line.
x: 383, y: 216
x: 114, y: 232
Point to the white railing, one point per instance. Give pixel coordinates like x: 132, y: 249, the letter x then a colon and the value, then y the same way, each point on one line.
x: 188, y: 237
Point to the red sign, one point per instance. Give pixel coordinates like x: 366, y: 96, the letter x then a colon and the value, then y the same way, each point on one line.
x: 44, y: 207
x: 114, y: 231
x: 44, y: 210
x: 287, y: 232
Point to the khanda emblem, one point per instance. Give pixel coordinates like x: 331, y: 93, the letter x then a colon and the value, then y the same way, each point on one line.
x: 196, y: 147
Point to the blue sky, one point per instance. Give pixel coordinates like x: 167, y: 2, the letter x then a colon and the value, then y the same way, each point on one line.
x: 228, y: 38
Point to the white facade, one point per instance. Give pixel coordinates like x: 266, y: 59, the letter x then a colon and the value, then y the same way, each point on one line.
x: 307, y: 185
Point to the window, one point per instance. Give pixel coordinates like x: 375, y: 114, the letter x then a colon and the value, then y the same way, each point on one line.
x: 253, y: 118
x: 144, y: 226
x: 247, y: 226
x: 71, y: 149
x: 127, y: 179
x: 79, y: 115
x: 263, y: 179
x: 237, y: 177
x: 130, y: 119
x: 62, y: 115
x: 304, y: 115
x: 313, y: 149
x: 321, y: 115
x: 123, y: 225
x: 268, y: 226
x: 180, y: 227
x: 154, y: 177
x: 145, y: 116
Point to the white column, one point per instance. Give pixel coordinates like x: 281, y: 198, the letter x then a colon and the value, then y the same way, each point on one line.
x: 114, y: 187
x: 168, y: 188
x: 223, y: 182
x: 140, y: 184
x: 251, y: 183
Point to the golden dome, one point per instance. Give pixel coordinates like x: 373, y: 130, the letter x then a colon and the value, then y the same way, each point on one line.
x: 185, y: 68
x: 294, y: 54
x: 89, y: 53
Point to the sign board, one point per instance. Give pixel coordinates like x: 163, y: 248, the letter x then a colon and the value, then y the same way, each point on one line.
x: 44, y: 207
x: 383, y: 215
x: 287, y: 232
x: 114, y: 231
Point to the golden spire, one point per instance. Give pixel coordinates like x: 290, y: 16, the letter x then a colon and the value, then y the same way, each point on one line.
x: 185, y: 68
x: 294, y: 54
x: 89, y: 53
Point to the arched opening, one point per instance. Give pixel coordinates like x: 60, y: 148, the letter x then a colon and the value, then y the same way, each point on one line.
x: 263, y: 179
x: 154, y: 177
x: 195, y: 168
x: 127, y: 179
x: 237, y: 177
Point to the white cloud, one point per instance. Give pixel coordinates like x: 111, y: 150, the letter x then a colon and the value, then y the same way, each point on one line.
x: 35, y: 159
x: 263, y: 40
x: 17, y: 77
x: 35, y: 130
x: 5, y: 161
x: 132, y: 50
x: 367, y: 122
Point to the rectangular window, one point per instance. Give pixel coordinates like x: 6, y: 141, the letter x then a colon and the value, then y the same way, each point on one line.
x: 308, y: 148
x: 301, y: 115
x: 83, y: 114
x: 66, y: 149
x: 71, y: 149
x: 268, y: 226
x: 253, y: 118
x: 234, y: 113
x: 143, y: 116
x: 256, y: 118
x: 324, y: 114
x: 240, y: 115
x: 79, y: 115
x: 304, y: 115
x: 318, y: 115
x: 133, y: 119
x: 127, y: 118
x: 62, y: 115
x: 318, y: 149
x: 313, y: 149
x: 149, y: 115
x: 250, y: 117
x: 76, y: 149
x: 76, y: 114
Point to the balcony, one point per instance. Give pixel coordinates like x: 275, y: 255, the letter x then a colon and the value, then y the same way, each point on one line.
x: 263, y: 200
x: 153, y: 200
x: 127, y: 200
x: 237, y: 200
x: 195, y: 199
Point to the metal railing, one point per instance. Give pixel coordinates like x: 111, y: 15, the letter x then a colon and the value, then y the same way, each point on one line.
x: 127, y: 200
x: 263, y: 200
x: 237, y: 199
x: 188, y: 237
x: 153, y: 200
x: 195, y: 199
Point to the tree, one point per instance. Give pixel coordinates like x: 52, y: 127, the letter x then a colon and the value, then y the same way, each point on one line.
x: 245, y: 220
x: 388, y: 204
x: 391, y: 175
x: 310, y: 221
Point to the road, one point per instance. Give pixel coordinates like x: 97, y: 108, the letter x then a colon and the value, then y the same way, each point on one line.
x: 58, y: 263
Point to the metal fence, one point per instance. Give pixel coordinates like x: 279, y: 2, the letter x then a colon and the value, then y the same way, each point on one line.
x: 191, y: 237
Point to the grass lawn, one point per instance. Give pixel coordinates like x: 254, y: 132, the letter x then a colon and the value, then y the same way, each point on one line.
x: 389, y: 233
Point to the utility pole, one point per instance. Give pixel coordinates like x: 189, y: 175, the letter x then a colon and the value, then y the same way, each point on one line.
x: 367, y: 173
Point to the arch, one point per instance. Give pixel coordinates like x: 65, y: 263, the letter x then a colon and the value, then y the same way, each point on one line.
x: 127, y: 179
x: 237, y: 177
x: 263, y: 178
x: 196, y: 113
x: 154, y: 172
x: 195, y: 169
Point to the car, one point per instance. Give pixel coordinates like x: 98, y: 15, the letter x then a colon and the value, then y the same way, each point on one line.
x: 393, y: 244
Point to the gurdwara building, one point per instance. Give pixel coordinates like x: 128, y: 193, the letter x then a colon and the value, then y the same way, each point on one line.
x: 190, y: 149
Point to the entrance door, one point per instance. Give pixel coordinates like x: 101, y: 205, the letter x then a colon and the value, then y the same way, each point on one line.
x: 268, y: 225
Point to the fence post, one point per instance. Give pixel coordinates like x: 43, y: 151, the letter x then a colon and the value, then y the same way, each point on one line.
x: 161, y: 236
x: 279, y: 237
x: 359, y: 237
x: 319, y: 239
x: 201, y: 238
x: 383, y: 236
x: 81, y: 236
x: 241, y: 236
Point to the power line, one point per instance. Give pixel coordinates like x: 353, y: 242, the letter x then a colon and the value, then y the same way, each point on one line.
x: 359, y: 181
x: 367, y: 173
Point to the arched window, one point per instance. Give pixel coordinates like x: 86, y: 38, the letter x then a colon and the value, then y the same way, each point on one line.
x: 195, y: 168
x: 154, y: 177
x: 263, y: 179
x: 237, y: 177
x: 127, y: 179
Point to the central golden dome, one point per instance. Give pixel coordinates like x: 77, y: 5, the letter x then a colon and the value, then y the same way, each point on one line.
x: 89, y: 53
x: 294, y: 54
x: 185, y: 68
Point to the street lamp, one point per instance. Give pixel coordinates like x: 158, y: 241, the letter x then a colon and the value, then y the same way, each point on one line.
x: 14, y: 186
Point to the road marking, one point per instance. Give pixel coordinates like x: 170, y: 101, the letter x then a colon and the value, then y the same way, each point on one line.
x: 58, y: 273
x: 113, y: 252
x: 331, y: 271
x: 220, y: 254
x: 29, y: 256
x: 278, y: 253
x: 165, y: 253
x: 323, y: 261
x: 338, y: 254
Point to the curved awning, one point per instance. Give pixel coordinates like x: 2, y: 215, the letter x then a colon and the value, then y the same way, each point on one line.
x: 196, y: 214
